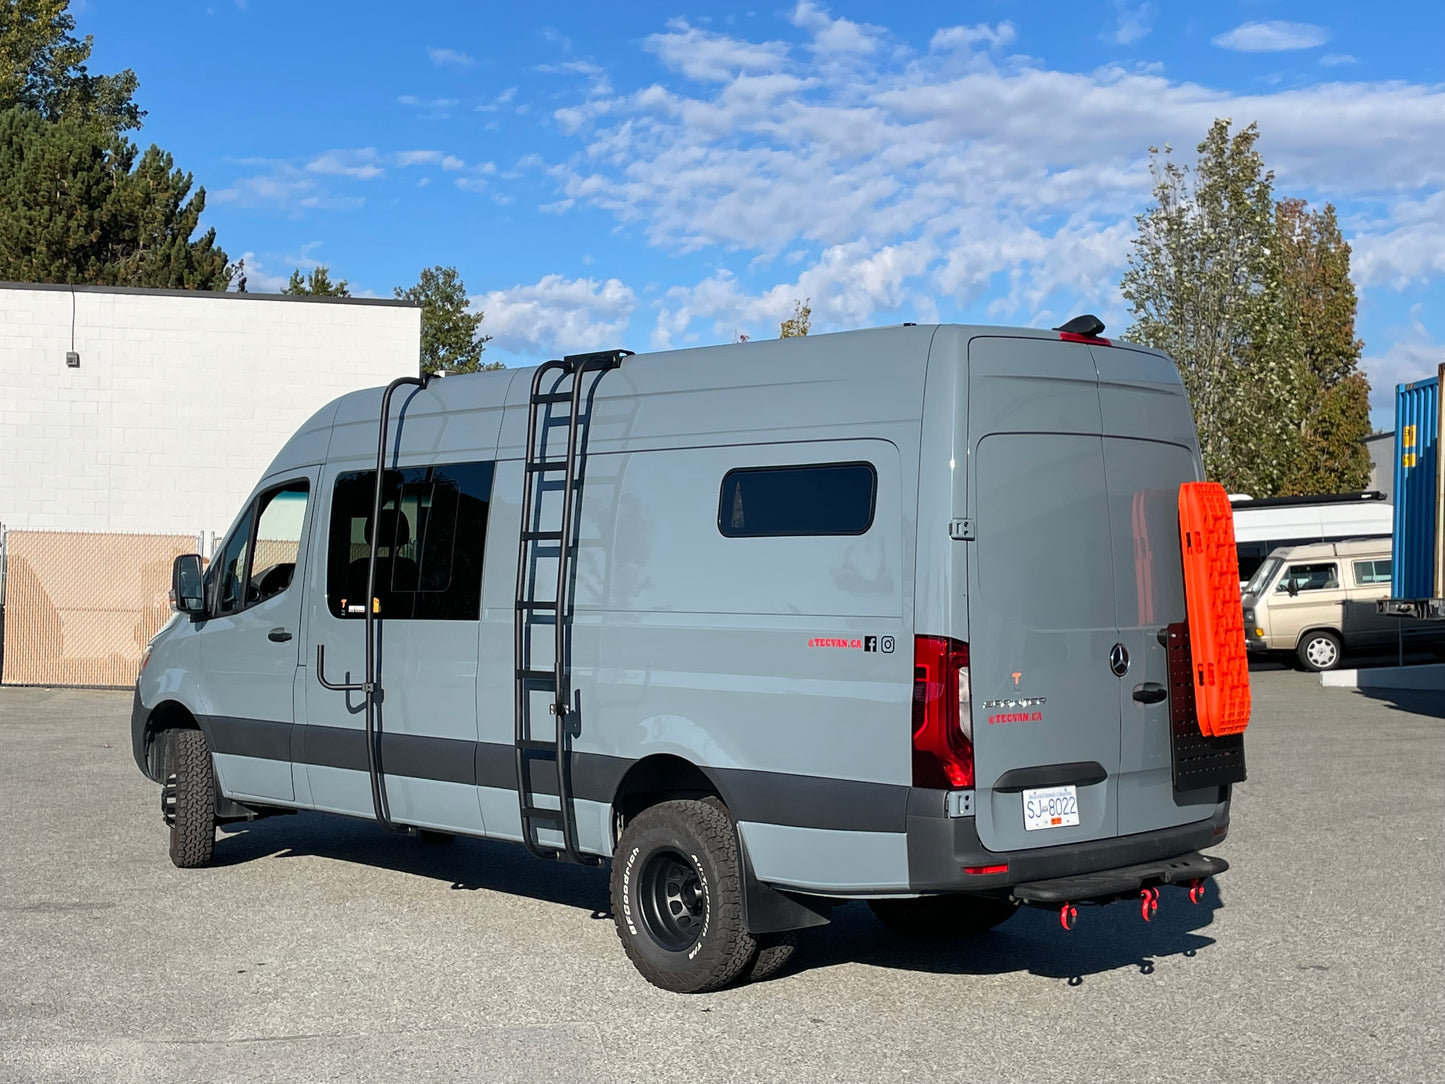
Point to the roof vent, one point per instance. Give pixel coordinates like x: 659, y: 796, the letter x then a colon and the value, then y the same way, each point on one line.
x: 1088, y: 325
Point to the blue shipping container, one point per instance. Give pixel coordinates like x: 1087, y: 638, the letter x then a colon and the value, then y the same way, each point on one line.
x: 1417, y: 437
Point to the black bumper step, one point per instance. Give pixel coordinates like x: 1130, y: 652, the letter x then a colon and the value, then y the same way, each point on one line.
x: 1112, y: 884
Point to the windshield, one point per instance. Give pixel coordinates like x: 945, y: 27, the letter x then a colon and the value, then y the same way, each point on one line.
x: 1262, y: 575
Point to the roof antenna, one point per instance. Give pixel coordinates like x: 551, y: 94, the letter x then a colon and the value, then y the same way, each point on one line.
x: 1088, y: 324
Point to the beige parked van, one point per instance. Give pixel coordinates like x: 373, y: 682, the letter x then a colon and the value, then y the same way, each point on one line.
x: 1318, y: 600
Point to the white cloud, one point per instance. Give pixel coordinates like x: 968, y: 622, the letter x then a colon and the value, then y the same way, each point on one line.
x: 285, y: 187
x: 557, y: 315
x: 445, y: 57
x: 1412, y: 356
x: 891, y: 180
x: 708, y: 57
x: 966, y: 37
x: 360, y: 164
x: 1133, y: 21
x: 1334, y: 60
x: 1404, y: 249
x: 1273, y: 36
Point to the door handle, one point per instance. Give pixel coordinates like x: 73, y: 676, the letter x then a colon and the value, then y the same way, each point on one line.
x: 278, y: 635
x: 1150, y: 692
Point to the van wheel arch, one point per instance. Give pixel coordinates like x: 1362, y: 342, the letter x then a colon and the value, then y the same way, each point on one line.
x: 167, y: 716
x: 659, y: 778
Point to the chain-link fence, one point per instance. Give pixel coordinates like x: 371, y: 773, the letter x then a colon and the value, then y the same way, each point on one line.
x: 78, y: 608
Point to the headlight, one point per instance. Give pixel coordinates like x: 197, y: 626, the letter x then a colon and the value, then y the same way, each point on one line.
x: 1249, y: 617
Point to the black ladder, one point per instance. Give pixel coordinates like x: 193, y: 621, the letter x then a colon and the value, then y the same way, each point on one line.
x: 532, y: 609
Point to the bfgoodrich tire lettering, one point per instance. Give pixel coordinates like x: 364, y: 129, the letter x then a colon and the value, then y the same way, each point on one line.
x: 677, y: 897
x: 193, y: 823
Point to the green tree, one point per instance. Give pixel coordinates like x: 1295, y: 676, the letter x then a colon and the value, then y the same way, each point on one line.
x: 79, y: 204
x: 42, y: 68
x: 799, y: 323
x: 1319, y: 309
x: 451, y: 337
x: 1205, y: 283
x: 316, y: 284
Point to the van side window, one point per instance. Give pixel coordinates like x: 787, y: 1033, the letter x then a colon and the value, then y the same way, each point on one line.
x: 231, y: 568
x: 1368, y: 573
x: 1321, y: 577
x: 829, y: 498
x: 258, y: 564
x: 278, y: 542
x: 429, y: 542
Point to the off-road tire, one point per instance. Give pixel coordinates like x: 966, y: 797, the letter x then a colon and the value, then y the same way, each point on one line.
x: 694, y: 844
x: 193, y: 825
x: 938, y: 918
x: 1320, y: 649
x: 774, y: 952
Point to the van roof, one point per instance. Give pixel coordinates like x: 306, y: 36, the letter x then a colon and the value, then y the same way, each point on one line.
x: 1353, y: 547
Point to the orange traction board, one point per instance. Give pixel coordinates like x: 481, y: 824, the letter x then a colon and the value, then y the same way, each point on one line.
x: 1216, y: 617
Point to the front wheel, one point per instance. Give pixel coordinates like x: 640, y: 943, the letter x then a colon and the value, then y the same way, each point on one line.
x: 1320, y: 650
x: 188, y: 801
x: 677, y: 897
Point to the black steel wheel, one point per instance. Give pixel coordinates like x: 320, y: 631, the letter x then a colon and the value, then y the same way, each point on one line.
x: 677, y: 897
x: 936, y: 918
x: 188, y: 801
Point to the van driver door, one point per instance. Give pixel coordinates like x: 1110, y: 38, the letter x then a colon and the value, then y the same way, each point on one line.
x: 251, y: 641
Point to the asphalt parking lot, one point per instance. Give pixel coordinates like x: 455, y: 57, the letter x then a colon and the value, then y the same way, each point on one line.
x: 323, y: 949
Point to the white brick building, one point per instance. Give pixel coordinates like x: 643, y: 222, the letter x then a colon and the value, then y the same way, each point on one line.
x: 180, y: 401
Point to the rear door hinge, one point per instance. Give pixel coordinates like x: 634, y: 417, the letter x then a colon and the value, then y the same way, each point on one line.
x: 960, y: 530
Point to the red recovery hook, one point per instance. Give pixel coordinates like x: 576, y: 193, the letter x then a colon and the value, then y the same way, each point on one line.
x: 1149, y: 905
x: 1196, y: 891
x: 1068, y: 916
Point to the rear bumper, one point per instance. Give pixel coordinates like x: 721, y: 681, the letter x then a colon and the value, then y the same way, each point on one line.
x: 1112, y: 884
x: 940, y: 848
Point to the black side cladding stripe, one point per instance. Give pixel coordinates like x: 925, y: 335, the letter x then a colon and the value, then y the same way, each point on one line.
x: 798, y: 801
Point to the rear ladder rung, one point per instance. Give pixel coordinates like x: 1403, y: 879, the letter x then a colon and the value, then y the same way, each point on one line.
x: 548, y: 397
x: 537, y: 745
x: 537, y: 675
x: 537, y: 813
x: 536, y: 604
x: 541, y: 536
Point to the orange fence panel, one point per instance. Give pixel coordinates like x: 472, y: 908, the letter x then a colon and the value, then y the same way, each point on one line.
x: 80, y: 606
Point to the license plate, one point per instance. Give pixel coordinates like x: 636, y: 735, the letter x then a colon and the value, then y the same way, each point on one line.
x: 1051, y: 807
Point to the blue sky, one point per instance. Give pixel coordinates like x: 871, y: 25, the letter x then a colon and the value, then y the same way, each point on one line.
x: 652, y: 175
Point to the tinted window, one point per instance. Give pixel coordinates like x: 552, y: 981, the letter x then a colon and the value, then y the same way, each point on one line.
x: 1368, y: 573
x: 430, y: 537
x: 835, y: 498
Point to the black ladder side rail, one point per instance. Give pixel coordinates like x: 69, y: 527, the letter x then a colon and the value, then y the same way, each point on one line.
x: 369, y: 685
x: 575, y: 366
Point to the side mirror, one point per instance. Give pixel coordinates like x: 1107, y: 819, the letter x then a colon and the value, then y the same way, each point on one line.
x: 188, y: 594
x: 1294, y: 589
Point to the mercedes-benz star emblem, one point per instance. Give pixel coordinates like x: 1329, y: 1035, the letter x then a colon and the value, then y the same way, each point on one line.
x: 1119, y: 660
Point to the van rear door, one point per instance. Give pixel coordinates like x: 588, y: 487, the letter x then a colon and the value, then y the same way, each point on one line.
x: 1041, y: 598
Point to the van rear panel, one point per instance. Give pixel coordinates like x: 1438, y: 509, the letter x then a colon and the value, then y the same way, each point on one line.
x: 1075, y: 453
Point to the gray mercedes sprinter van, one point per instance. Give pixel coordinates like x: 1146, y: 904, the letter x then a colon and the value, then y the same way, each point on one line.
x: 891, y: 614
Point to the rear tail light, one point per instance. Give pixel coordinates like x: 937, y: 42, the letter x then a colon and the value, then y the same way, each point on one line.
x: 942, y: 721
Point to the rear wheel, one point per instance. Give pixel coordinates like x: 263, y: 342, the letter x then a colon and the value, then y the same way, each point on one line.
x: 677, y: 897
x: 188, y: 801
x: 774, y: 952
x: 934, y: 918
x: 1320, y: 650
